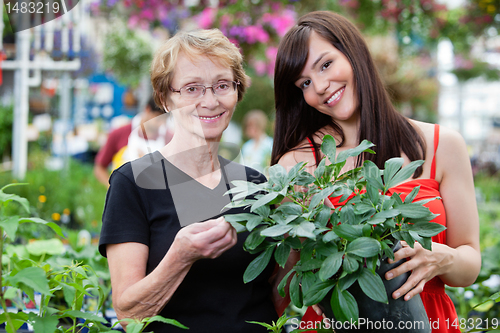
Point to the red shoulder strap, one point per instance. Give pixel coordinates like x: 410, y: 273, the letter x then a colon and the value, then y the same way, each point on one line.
x: 436, y: 143
x: 312, y: 147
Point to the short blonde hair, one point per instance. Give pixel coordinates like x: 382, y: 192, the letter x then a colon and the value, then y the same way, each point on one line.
x: 210, y: 43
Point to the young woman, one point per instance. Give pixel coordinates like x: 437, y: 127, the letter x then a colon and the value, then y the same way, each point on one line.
x: 326, y: 83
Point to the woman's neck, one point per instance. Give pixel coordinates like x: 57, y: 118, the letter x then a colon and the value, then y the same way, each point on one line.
x: 197, y: 159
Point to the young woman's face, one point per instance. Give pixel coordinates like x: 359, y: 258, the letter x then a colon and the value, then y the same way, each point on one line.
x: 327, y: 81
x: 209, y: 115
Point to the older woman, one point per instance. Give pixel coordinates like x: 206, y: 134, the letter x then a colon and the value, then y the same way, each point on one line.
x: 169, y: 248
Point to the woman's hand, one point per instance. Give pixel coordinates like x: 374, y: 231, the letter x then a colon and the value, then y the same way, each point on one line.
x: 423, y: 264
x: 207, y: 239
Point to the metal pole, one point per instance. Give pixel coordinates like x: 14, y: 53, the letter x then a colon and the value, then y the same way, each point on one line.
x: 65, y: 111
x: 21, y: 90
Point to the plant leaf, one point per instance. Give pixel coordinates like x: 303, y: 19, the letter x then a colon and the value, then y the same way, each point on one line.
x: 372, y: 286
x: 411, y: 196
x: 402, y: 174
x: 295, y: 291
x: 254, y: 239
x: 283, y: 283
x: 10, y: 225
x: 33, y: 277
x: 7, y: 197
x: 304, y: 229
x: 350, y: 263
x: 258, y: 265
x: 414, y: 210
x: 47, y: 324
x: 317, y: 292
x: 427, y: 229
x: 282, y: 252
x: 372, y: 174
x: 364, y: 247
x: 329, y: 148
x: 51, y: 246
x: 363, y: 146
x: 166, y: 321
x: 330, y: 266
x: 277, y: 230
x: 265, y: 199
x: 348, y: 231
x: 57, y: 229
x: 344, y: 306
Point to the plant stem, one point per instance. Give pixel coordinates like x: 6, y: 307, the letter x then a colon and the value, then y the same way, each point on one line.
x: 2, y: 299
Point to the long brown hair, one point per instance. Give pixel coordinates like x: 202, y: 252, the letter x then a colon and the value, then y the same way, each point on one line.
x: 380, y: 122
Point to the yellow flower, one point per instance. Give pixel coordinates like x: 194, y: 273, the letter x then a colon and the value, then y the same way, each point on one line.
x: 66, y: 211
x: 42, y: 198
x: 56, y: 216
x: 42, y: 189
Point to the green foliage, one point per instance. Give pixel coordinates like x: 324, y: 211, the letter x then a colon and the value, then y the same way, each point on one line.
x: 260, y: 95
x: 6, y: 122
x: 342, y: 245
x: 479, y: 302
x: 275, y: 327
x: 71, y: 197
x: 127, y: 55
x: 477, y: 69
x: 41, y: 268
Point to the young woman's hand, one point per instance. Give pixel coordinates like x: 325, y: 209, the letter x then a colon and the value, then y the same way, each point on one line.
x: 423, y: 265
x: 207, y: 239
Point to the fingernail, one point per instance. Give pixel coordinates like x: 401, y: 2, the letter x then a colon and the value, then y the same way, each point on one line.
x: 389, y: 276
x: 407, y: 297
x: 397, y: 294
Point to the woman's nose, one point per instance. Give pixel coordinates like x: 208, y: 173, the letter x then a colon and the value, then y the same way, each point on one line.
x: 321, y: 85
x: 209, y: 98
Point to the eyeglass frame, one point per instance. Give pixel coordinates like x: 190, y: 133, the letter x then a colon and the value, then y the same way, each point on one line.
x: 237, y: 83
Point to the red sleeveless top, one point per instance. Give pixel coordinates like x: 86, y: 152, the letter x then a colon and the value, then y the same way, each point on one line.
x: 438, y: 305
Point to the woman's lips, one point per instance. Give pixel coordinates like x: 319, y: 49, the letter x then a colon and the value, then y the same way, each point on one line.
x: 335, y: 97
x: 210, y: 119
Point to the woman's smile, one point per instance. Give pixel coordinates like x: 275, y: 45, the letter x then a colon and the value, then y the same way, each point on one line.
x: 335, y: 97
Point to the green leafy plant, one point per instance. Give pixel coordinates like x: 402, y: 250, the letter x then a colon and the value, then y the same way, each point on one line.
x: 340, y: 246
x: 127, y: 54
x: 275, y: 327
x: 40, y: 269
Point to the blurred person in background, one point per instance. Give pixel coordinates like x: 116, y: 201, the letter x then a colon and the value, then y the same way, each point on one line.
x: 145, y: 133
x: 256, y: 152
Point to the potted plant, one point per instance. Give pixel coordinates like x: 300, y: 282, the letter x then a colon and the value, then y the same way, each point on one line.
x: 341, y: 249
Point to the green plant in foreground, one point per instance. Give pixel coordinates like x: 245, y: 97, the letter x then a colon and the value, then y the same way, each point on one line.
x: 275, y: 327
x: 36, y: 269
x: 337, y: 247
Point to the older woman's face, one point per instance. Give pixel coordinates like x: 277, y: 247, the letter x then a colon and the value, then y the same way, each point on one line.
x: 209, y: 115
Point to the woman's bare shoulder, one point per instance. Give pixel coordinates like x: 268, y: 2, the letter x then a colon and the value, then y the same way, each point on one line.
x: 302, y: 153
x: 448, y: 137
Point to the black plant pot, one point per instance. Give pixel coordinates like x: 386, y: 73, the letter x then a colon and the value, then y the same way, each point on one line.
x: 398, y: 316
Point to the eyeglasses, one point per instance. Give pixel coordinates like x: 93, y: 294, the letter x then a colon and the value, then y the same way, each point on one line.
x: 194, y: 91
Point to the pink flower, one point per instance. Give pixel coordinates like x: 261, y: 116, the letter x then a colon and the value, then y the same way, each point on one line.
x: 255, y: 34
x: 271, y: 53
x: 133, y: 21
x: 259, y: 66
x: 148, y: 14
x: 206, y: 18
